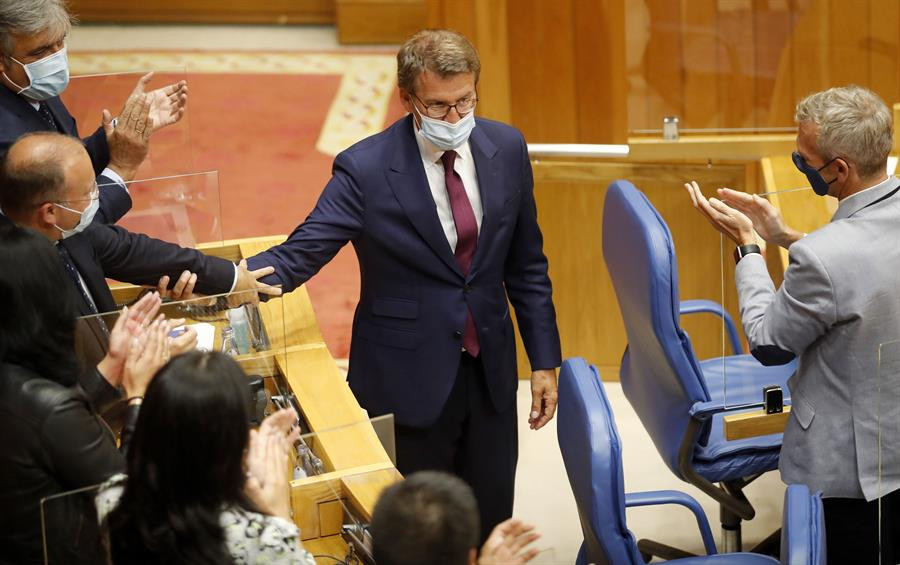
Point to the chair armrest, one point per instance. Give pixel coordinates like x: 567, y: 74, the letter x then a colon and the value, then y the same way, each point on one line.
x: 710, y: 307
x: 657, y: 497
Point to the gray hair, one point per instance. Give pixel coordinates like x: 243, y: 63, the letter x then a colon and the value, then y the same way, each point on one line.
x: 28, y: 17
x: 854, y: 124
x: 440, y: 51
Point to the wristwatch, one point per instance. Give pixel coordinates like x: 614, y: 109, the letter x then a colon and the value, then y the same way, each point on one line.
x: 742, y: 251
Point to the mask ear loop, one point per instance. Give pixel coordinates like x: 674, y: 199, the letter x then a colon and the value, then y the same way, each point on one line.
x: 12, y: 82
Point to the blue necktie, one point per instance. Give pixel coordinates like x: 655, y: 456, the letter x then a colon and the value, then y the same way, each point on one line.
x: 76, y: 280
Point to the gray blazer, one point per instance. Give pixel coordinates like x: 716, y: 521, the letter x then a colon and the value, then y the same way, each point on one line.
x: 840, y: 299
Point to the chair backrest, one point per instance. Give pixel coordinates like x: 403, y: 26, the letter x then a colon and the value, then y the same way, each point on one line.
x: 592, y: 454
x: 803, y: 530
x: 660, y: 374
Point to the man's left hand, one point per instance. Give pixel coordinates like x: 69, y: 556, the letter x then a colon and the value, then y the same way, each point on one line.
x: 731, y: 222
x: 167, y: 104
x: 543, y: 397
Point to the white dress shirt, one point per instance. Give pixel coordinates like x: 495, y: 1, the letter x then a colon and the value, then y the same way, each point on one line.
x: 464, y: 165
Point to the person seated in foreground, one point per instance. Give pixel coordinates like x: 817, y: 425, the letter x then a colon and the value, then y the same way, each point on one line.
x: 191, y: 494
x: 432, y: 517
x: 51, y: 440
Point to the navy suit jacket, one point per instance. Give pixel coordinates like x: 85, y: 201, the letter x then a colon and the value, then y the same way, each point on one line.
x: 18, y: 117
x: 407, y: 329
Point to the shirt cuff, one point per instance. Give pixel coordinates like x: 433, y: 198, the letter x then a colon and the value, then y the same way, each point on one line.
x: 114, y: 176
x: 234, y: 283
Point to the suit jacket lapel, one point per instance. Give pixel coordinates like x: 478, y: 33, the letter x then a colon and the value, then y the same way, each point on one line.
x: 59, y: 115
x: 490, y: 183
x: 21, y: 108
x: 407, y: 179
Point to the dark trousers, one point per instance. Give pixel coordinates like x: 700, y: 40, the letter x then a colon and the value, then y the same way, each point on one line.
x: 852, y: 526
x: 471, y: 440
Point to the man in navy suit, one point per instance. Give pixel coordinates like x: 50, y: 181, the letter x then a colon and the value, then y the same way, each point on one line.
x: 34, y: 72
x: 440, y: 210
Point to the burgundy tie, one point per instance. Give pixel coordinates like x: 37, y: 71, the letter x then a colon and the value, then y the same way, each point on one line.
x: 466, y: 238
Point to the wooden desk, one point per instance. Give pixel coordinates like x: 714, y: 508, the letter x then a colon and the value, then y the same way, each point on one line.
x: 357, y: 466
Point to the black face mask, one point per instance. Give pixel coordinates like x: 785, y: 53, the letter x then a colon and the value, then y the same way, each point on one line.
x: 818, y: 184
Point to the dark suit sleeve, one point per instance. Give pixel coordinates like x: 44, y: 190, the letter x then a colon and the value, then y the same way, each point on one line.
x: 138, y: 259
x: 336, y: 219
x: 115, y: 201
x: 80, y: 450
x: 98, y: 149
x: 527, y: 283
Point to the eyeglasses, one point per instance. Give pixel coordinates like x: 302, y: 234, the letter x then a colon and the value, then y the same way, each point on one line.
x: 441, y: 110
x: 94, y: 195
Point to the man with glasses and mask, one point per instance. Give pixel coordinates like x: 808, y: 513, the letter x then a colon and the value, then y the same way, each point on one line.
x: 440, y: 210
x: 839, y: 300
x: 34, y: 71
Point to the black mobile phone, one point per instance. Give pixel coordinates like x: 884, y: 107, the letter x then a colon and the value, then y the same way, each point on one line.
x: 773, y: 399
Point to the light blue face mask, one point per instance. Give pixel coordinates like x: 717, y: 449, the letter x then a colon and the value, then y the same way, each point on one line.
x: 87, y: 216
x: 49, y: 76
x: 445, y: 135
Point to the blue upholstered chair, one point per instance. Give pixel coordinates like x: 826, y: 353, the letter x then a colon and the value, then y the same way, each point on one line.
x: 592, y: 452
x: 679, y: 399
x: 803, y: 531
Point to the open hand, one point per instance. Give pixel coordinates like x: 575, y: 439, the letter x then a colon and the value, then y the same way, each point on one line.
x: 507, y: 544
x: 130, y: 324
x: 148, y: 353
x: 730, y: 221
x: 267, y: 462
x: 767, y: 220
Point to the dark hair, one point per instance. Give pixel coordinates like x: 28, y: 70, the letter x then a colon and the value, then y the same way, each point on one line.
x: 30, y: 180
x: 37, y: 328
x: 185, y: 463
x: 431, y: 517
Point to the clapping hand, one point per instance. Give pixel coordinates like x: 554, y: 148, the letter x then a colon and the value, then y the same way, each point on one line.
x: 767, y: 220
x: 149, y: 351
x: 730, y: 221
x: 268, y: 471
x: 130, y: 324
x: 508, y: 544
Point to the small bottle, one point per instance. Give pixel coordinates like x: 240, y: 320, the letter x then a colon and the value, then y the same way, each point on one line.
x: 670, y: 128
x: 237, y: 319
x: 228, y: 346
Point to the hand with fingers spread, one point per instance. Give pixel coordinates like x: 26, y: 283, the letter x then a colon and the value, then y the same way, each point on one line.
x: 730, y: 221
x: 129, y: 325
x: 148, y: 353
x: 767, y: 220
x: 249, y: 281
x: 543, y: 398
x: 508, y: 544
x: 267, y: 462
x: 129, y: 140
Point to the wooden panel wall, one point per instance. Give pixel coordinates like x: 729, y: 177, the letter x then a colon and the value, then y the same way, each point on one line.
x: 745, y: 63
x: 555, y: 70
x: 206, y: 11
x: 570, y: 198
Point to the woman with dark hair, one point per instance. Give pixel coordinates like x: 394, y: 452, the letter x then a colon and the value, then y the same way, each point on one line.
x: 51, y: 440
x: 191, y: 496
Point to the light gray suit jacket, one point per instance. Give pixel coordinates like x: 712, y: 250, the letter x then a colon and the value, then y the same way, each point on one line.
x: 840, y: 299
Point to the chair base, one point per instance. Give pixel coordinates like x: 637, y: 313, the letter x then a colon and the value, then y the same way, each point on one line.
x: 650, y: 549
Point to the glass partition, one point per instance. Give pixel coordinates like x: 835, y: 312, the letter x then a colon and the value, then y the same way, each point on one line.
x: 734, y: 66
x: 71, y: 532
x: 183, y: 209
x: 743, y: 377
x: 171, y: 148
x: 887, y: 411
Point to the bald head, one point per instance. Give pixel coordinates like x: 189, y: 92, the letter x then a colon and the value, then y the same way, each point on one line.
x: 34, y: 171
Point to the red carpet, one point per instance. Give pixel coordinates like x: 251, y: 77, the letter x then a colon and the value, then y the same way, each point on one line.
x: 259, y: 131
